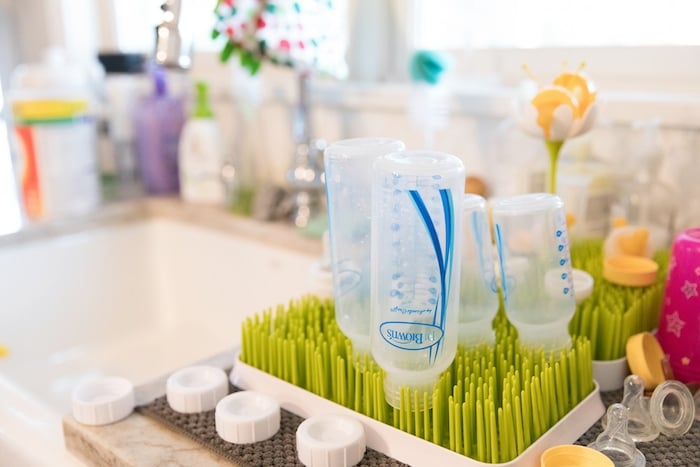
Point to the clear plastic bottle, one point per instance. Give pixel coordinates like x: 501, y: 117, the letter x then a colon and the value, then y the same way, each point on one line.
x: 415, y: 259
x: 201, y: 154
x: 348, y: 166
x: 124, y: 84
x: 535, y: 264
x: 479, y: 291
x: 644, y: 198
x: 55, y: 134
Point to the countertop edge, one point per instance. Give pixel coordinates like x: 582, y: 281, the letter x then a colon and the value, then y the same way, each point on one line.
x: 273, y: 233
x: 132, y: 442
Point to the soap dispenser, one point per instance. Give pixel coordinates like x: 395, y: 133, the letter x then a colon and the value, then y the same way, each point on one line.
x: 158, y: 121
x: 201, y: 155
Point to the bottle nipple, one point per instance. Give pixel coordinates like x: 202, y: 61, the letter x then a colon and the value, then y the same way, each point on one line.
x: 615, y: 442
x: 640, y: 425
x: 672, y: 408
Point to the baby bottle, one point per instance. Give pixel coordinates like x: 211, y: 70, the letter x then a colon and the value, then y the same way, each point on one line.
x: 536, y: 276
x: 348, y: 166
x: 415, y: 267
x: 478, y: 302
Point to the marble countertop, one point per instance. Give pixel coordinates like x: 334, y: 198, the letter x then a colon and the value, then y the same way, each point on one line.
x: 134, y: 441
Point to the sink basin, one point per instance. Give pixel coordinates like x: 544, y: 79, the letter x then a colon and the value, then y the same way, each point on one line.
x: 137, y: 300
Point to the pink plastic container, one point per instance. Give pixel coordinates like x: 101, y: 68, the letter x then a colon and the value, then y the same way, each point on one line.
x: 679, y: 323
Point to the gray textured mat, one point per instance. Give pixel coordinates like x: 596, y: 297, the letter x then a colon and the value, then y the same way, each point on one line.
x: 280, y: 450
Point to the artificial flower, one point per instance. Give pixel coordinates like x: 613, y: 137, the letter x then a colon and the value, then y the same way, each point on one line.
x: 557, y: 112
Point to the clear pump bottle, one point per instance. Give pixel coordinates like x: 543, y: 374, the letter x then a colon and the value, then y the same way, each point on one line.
x: 158, y: 121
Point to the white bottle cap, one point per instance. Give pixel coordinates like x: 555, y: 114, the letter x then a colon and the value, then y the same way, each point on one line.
x: 583, y: 284
x: 330, y: 441
x: 247, y: 417
x: 196, y: 388
x: 103, y: 401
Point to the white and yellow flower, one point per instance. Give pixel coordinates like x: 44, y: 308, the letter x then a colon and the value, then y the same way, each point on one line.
x: 559, y: 111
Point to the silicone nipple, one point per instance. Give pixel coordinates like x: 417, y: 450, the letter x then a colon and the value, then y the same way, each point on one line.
x: 615, y: 442
x: 640, y: 425
x: 672, y: 408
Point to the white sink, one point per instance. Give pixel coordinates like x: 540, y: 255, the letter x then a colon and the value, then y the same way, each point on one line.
x: 138, y: 300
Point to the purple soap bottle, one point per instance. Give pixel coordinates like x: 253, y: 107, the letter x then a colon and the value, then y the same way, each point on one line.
x: 158, y: 121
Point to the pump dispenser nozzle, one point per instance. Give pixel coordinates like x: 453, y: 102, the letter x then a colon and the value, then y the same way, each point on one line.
x: 202, y: 108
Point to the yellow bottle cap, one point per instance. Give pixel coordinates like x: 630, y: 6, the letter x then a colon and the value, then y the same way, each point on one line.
x: 633, y: 271
x: 571, y: 455
x: 645, y: 359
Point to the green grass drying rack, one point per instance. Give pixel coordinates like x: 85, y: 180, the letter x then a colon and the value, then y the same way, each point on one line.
x: 614, y: 312
x: 494, y: 405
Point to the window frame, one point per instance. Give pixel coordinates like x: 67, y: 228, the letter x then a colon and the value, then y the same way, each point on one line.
x: 644, y: 69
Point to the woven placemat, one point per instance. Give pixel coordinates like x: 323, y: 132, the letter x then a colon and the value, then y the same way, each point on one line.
x: 281, y: 448
x: 278, y: 450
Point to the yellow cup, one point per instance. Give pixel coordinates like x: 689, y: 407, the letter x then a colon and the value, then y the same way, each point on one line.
x: 571, y: 455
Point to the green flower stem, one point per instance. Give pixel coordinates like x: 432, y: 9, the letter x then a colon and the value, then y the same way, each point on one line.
x: 553, y: 148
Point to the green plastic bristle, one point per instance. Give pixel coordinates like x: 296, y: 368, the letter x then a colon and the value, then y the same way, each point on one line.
x: 468, y: 433
x: 437, y: 416
x: 480, y: 432
x: 613, y: 312
x: 519, y: 428
x: 492, y: 440
x: 502, y: 440
x: 490, y: 404
x: 451, y: 422
x: 426, y: 417
x: 488, y: 433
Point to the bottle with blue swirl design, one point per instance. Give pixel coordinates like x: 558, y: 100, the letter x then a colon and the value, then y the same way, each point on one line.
x: 415, y: 267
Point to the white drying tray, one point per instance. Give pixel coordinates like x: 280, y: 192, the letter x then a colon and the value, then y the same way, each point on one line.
x: 406, y: 447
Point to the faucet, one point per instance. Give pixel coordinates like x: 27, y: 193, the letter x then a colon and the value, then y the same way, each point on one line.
x: 172, y: 51
x: 306, y: 175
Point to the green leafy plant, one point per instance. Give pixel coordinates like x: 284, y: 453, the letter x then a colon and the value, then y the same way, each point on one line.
x: 296, y: 33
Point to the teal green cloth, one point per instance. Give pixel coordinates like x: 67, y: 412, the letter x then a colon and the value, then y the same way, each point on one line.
x: 428, y: 66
